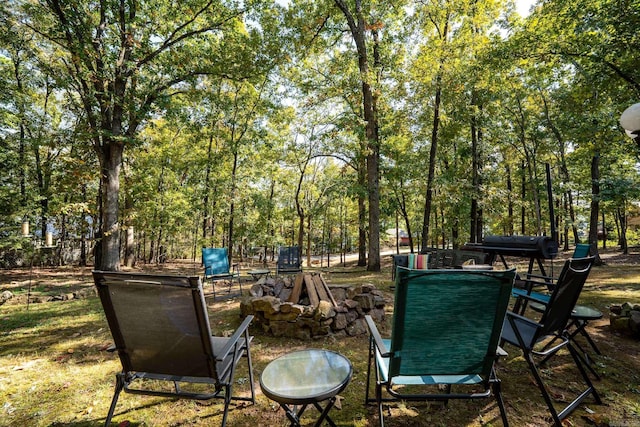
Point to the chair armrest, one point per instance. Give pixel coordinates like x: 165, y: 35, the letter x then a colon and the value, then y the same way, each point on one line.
x: 377, y: 338
x: 233, y: 340
x: 519, y: 330
x: 535, y: 297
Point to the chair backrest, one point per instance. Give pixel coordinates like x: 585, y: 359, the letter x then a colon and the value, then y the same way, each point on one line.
x: 159, y: 323
x: 565, y: 294
x: 289, y: 257
x: 215, y: 261
x: 448, y: 322
x: 442, y: 258
x: 581, y: 250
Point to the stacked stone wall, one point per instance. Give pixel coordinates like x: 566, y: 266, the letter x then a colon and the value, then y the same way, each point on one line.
x: 280, y: 318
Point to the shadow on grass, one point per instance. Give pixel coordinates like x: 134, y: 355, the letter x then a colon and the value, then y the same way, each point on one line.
x: 67, y: 323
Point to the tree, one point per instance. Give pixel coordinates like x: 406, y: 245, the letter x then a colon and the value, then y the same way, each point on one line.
x: 123, y: 59
x: 358, y: 26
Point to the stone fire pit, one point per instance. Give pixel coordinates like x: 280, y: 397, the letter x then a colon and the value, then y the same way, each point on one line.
x: 306, y: 307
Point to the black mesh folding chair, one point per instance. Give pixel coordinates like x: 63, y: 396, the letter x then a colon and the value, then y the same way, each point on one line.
x: 289, y: 260
x: 533, y: 337
x: 161, y: 332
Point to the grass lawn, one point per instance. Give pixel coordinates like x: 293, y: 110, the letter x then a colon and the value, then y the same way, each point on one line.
x: 54, y: 370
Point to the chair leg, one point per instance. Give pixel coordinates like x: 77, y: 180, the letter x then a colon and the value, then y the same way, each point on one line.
x: 545, y: 394
x: 227, y: 401
x: 591, y: 387
x: 496, y: 386
x: 250, y: 367
x: 379, y: 402
x: 119, y: 387
x: 366, y: 392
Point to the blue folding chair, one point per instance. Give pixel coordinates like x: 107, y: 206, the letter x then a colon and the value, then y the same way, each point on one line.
x: 216, y: 268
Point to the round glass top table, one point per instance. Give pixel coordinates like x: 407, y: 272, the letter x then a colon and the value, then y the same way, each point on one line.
x: 306, y: 377
x: 581, y: 315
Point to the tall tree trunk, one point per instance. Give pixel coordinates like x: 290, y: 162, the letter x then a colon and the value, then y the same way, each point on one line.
x: 475, y: 233
x: 362, y: 216
x: 595, y: 206
x: 622, y: 219
x: 510, y: 218
x: 110, y: 162
x: 357, y: 26
x: 432, y: 157
x: 206, y: 215
x: 604, y: 232
x: 232, y: 205
x: 523, y: 199
x: 270, y: 229
x: 434, y: 138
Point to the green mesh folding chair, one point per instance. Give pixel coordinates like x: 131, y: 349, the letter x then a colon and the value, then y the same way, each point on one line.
x: 217, y: 268
x: 534, y: 337
x: 446, y: 329
x: 161, y: 333
x: 289, y: 260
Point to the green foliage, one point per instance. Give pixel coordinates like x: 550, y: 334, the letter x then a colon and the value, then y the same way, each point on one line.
x: 274, y: 89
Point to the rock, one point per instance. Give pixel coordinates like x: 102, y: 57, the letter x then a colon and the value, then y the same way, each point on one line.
x: 378, y: 301
x: 284, y: 294
x: 5, y: 296
x: 616, y: 309
x: 351, y: 292
x: 634, y: 322
x: 626, y: 309
x: 377, y: 314
x: 351, y: 316
x: 277, y: 289
x: 619, y: 323
x: 367, y: 288
x: 357, y: 327
x: 256, y: 291
x: 339, y: 294
x: 267, y: 305
x: 280, y: 316
x: 350, y: 304
x: 340, y: 322
x: 246, y: 307
x: 85, y: 293
x: 365, y: 300
x: 324, y: 311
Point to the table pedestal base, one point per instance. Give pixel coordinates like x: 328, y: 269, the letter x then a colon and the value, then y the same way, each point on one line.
x: 294, y: 415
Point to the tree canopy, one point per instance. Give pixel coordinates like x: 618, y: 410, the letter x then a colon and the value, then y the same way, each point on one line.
x: 136, y: 130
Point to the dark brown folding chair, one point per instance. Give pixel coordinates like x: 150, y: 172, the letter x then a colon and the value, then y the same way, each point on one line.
x: 161, y: 332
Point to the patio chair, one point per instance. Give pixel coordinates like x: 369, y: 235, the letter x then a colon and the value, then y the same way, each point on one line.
x: 581, y: 250
x: 532, y: 336
x: 161, y: 332
x: 216, y: 268
x: 445, y: 332
x: 289, y: 260
x: 532, y: 281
